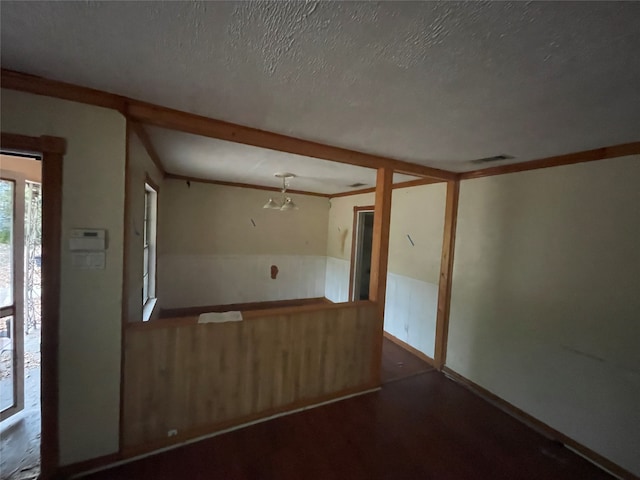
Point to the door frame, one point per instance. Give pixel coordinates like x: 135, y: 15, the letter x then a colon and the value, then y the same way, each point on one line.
x: 354, y: 245
x: 51, y: 150
x: 16, y: 309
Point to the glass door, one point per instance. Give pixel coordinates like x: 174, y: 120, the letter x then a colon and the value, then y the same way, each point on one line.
x: 11, y: 301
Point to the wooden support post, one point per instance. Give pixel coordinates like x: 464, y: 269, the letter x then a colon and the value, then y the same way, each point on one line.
x: 379, y: 260
x: 446, y: 271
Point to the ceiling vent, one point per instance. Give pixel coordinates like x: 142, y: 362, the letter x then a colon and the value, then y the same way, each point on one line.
x: 496, y: 158
x: 357, y: 184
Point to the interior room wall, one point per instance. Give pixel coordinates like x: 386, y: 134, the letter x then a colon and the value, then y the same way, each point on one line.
x: 139, y: 167
x: 90, y: 304
x: 414, y: 269
x: 217, y: 246
x: 544, y: 309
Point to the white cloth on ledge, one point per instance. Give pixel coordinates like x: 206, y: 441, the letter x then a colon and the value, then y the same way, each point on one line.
x: 220, y: 317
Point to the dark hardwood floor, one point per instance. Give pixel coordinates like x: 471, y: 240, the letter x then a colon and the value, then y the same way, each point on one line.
x: 399, y: 363
x: 422, y: 427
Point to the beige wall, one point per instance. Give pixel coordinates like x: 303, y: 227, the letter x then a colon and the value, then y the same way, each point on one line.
x: 93, y: 197
x: 415, y: 211
x: 140, y: 165
x: 211, y: 253
x: 207, y: 218
x: 544, y: 310
x: 341, y: 223
x: 419, y: 213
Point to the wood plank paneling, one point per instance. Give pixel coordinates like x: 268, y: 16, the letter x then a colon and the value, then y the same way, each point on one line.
x: 200, y: 378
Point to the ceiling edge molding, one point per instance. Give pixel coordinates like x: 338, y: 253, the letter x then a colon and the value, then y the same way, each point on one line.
x: 186, y: 178
x: 613, y: 151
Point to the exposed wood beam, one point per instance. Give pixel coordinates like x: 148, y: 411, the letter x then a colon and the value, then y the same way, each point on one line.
x: 613, y: 151
x: 148, y: 145
x: 186, y: 122
x: 446, y: 272
x: 410, y: 183
x: 380, y: 259
x: 208, y: 127
x: 242, y: 185
x: 40, y: 144
x: 66, y: 91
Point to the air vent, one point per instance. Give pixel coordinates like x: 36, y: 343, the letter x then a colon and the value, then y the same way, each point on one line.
x: 497, y: 158
x: 357, y: 184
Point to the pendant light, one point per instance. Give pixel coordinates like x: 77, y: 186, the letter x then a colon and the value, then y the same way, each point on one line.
x: 285, y: 203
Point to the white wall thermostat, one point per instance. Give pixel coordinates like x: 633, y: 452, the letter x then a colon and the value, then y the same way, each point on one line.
x: 88, y: 248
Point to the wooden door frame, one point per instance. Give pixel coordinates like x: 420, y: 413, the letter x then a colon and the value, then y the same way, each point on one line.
x: 354, y: 241
x: 51, y: 150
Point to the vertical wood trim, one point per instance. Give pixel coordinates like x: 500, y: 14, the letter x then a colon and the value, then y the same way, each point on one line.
x: 125, y: 275
x: 354, y: 242
x: 446, y: 271
x: 51, y: 263
x: 379, y: 261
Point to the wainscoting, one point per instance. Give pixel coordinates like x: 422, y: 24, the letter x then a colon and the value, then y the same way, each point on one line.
x: 184, y: 379
x: 410, y: 312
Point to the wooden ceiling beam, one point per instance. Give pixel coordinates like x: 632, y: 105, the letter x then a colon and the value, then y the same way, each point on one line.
x: 148, y: 145
x: 208, y: 127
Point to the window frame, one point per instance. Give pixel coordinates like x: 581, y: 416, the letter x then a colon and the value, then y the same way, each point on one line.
x: 149, y: 249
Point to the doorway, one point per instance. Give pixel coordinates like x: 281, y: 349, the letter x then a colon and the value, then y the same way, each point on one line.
x: 20, y: 315
x: 361, y: 253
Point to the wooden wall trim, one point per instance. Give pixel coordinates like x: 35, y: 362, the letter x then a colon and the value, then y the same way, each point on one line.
x: 148, y: 145
x: 604, y: 153
x: 181, y: 321
x: 199, y: 125
x: 52, y: 88
x: 446, y: 273
x: 538, y: 425
x: 208, y: 127
x: 409, y: 348
x: 410, y: 183
x: 172, y: 176
x: 242, y: 307
x: 52, y: 150
x: 352, y: 262
x: 44, y: 143
x: 380, y: 260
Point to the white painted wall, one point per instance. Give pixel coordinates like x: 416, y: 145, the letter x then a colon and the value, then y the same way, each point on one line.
x: 90, y: 304
x: 413, y: 272
x: 545, y: 302
x: 211, y: 253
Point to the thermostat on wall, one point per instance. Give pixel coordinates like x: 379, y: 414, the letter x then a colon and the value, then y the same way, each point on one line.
x: 87, y: 239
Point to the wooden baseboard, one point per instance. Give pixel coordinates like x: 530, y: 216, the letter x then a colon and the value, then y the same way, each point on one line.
x: 243, y: 307
x: 540, y: 426
x: 409, y: 348
x: 73, y: 469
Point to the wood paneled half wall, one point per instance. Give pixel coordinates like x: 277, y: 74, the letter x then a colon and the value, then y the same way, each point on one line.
x: 184, y: 380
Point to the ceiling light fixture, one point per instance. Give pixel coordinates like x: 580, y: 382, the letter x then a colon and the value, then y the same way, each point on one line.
x: 285, y: 202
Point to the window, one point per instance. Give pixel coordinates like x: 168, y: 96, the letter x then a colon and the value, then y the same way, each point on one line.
x: 149, y: 253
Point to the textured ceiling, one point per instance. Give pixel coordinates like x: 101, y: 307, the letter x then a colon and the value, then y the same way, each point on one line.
x: 433, y: 83
x: 208, y: 158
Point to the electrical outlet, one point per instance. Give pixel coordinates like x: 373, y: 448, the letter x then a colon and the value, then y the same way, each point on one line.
x: 172, y: 433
